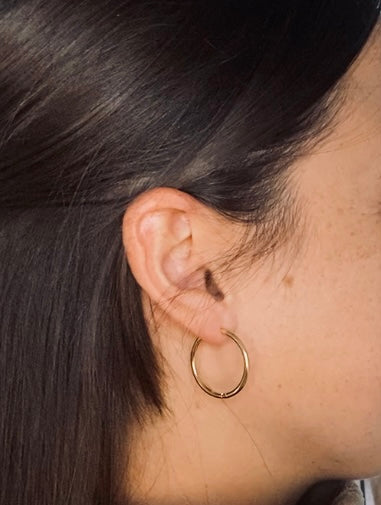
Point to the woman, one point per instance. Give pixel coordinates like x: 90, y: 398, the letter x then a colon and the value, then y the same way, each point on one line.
x: 190, y: 252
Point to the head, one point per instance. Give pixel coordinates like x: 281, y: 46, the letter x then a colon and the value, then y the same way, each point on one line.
x: 167, y: 170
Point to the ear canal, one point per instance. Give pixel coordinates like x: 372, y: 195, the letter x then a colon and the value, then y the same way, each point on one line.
x: 212, y: 287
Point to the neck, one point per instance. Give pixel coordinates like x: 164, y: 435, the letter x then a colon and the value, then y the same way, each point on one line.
x: 168, y: 468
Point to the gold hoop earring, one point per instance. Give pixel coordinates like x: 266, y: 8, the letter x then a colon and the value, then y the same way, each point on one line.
x: 243, y: 380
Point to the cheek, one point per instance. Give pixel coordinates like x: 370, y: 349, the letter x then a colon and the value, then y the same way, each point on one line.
x: 315, y: 337
x: 337, y: 365
x: 343, y: 352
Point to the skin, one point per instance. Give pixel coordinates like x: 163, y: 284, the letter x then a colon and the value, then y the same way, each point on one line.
x: 309, y: 318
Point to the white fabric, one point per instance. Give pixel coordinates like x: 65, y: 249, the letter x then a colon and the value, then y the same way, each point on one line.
x: 369, y: 496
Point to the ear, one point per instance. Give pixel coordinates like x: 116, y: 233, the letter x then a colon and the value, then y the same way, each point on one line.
x: 169, y: 238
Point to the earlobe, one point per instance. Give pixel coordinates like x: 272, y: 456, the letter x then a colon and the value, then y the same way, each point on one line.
x: 165, y: 251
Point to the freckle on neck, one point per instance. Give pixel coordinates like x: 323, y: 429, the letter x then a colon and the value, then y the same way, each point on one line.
x: 212, y: 287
